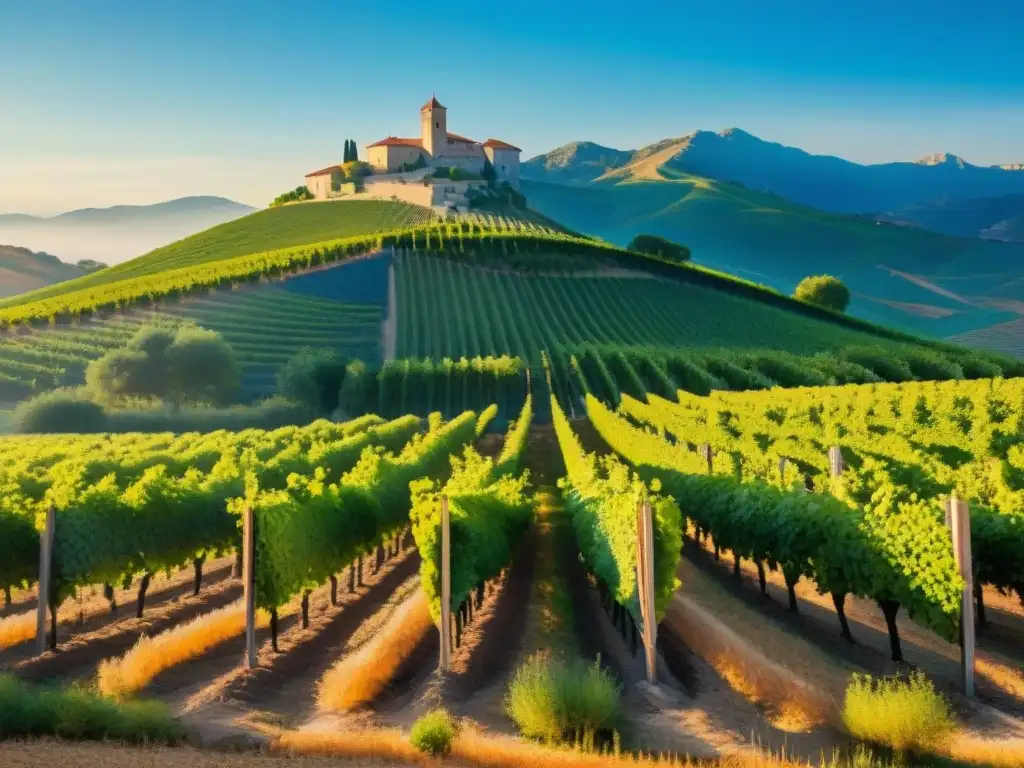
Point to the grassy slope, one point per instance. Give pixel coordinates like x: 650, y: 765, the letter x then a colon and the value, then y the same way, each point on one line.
x: 771, y: 240
x: 273, y: 228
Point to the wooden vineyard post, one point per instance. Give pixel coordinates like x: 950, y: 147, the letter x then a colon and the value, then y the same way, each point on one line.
x: 645, y: 586
x: 959, y: 516
x: 45, y: 582
x: 708, y: 453
x: 446, y: 588
x: 835, y: 461
x: 249, y: 584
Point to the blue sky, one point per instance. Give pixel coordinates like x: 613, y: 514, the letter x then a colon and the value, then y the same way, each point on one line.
x: 135, y: 102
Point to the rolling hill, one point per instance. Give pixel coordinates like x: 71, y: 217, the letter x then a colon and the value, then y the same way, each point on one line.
x: 24, y: 270
x: 989, y: 218
x: 264, y: 230
x: 902, y: 276
x: 483, y: 285
x: 115, y: 234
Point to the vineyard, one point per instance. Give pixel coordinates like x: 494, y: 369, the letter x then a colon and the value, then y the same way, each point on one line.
x: 264, y: 327
x: 586, y: 502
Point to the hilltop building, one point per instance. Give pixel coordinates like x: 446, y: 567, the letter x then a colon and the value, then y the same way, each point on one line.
x: 395, y: 162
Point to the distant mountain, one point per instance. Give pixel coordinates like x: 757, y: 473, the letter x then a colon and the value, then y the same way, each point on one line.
x: 115, y: 234
x: 989, y: 218
x: 576, y: 163
x: 824, y: 182
x: 24, y: 270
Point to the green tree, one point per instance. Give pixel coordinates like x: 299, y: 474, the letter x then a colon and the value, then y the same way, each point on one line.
x: 190, y: 365
x: 659, y: 246
x: 123, y: 374
x: 203, y: 368
x: 313, y: 377
x: 354, y: 150
x: 489, y: 174
x: 823, y: 291
x: 348, y: 151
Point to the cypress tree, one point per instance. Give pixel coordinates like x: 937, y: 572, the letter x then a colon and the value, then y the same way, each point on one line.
x: 355, y: 149
x: 348, y: 152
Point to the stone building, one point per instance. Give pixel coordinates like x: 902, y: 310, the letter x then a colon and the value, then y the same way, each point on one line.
x: 435, y: 147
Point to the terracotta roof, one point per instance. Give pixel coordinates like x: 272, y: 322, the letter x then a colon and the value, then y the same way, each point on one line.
x: 496, y: 144
x: 394, y: 141
x: 324, y: 171
x: 461, y: 138
x: 433, y: 104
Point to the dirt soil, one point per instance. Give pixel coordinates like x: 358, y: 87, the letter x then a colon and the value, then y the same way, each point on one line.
x: 82, y: 647
x: 999, y: 706
x: 285, y: 682
x: 49, y: 753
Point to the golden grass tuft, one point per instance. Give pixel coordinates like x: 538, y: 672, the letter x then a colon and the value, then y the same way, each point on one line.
x: 150, y: 656
x: 17, y: 629
x: 357, y: 679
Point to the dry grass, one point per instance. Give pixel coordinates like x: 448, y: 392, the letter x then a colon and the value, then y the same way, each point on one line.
x: 997, y: 753
x: 17, y: 629
x: 724, y: 637
x: 369, y: 743
x: 151, y: 655
x: 357, y: 679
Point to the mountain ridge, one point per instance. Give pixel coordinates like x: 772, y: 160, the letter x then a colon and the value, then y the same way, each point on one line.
x: 825, y: 182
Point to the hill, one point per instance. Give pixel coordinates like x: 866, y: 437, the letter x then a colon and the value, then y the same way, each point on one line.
x: 824, y: 182
x: 121, y: 232
x: 24, y: 270
x: 900, y: 276
x: 483, y: 285
x: 266, y: 230
x: 989, y: 218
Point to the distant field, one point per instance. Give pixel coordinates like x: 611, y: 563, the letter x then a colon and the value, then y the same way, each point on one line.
x: 339, y: 309
x: 1005, y: 338
x: 266, y: 230
x: 446, y: 309
x: 5, y: 421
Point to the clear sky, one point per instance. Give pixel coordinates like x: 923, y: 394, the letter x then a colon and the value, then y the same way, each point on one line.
x: 112, y: 102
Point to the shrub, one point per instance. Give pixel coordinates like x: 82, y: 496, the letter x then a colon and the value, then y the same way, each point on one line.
x: 313, y: 377
x: 823, y: 291
x: 905, y: 715
x: 692, y: 377
x: 187, y: 365
x: 203, y: 368
x: 787, y: 370
x: 299, y: 193
x: 357, y: 389
x: 269, y: 414
x: 931, y: 366
x: 63, y: 410
x: 555, y: 701
x: 843, y: 371
x: 75, y: 713
x: 433, y: 733
x: 884, y: 363
x: 659, y: 246
x: 734, y: 376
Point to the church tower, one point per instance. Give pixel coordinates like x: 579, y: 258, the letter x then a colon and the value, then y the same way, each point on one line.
x: 434, y: 127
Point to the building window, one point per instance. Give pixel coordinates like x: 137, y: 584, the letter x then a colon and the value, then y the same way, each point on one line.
x: 437, y: 125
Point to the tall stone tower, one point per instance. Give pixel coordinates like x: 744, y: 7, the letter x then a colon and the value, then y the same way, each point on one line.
x: 434, y: 127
